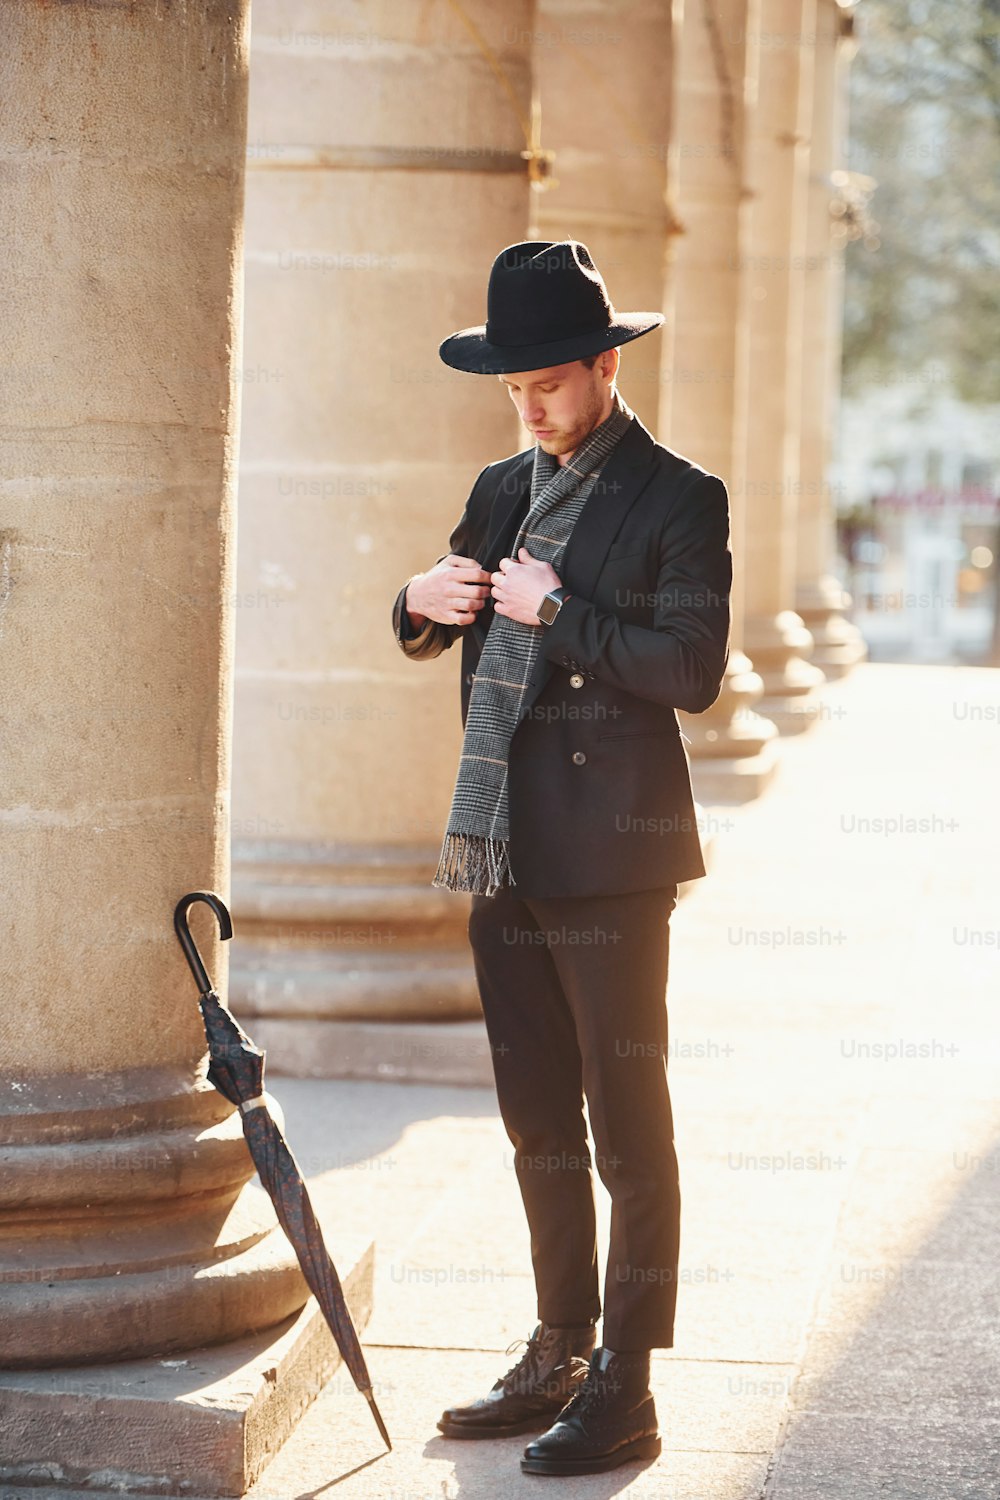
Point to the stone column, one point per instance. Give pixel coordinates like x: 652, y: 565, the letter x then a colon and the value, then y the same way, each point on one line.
x: 704, y: 400
x: 604, y: 85
x: 821, y: 599
x: 128, y: 1224
x: 122, y: 315
x: 775, y: 637
x: 385, y: 174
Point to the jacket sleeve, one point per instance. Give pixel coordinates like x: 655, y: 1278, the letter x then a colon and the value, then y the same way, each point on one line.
x: 432, y: 638
x: 681, y: 661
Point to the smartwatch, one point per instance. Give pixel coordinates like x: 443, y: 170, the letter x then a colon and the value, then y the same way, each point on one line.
x: 551, y: 604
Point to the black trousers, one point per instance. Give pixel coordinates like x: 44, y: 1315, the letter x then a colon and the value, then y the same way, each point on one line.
x: 574, y: 994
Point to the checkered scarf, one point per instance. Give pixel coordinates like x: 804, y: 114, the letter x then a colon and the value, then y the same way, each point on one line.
x: 474, y: 855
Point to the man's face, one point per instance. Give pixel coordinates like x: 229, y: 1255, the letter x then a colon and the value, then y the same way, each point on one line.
x: 561, y: 404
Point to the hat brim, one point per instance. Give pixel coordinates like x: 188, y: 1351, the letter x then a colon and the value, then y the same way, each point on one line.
x: 470, y: 350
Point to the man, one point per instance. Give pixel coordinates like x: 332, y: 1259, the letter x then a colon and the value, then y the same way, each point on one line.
x: 589, y: 580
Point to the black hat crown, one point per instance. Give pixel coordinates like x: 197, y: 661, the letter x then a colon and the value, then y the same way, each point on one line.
x: 542, y: 293
x: 546, y: 304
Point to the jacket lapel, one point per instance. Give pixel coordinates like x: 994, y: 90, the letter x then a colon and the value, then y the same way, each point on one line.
x: 509, y: 501
x: 609, y: 502
x: 509, y: 506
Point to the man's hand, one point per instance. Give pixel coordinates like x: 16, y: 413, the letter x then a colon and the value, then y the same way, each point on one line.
x: 452, y: 592
x: 520, y: 587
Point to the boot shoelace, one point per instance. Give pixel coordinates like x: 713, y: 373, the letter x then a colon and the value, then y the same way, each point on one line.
x: 527, y: 1365
x: 592, y: 1390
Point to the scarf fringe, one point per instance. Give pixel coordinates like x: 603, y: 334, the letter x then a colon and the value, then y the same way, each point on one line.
x: 472, y: 862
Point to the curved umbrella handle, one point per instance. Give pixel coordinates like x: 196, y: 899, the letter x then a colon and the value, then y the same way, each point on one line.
x: 187, y: 942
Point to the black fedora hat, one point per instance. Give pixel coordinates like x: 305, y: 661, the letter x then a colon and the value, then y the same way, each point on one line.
x: 546, y: 305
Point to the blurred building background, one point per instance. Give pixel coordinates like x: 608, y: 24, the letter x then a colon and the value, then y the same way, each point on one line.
x: 917, y: 473
x: 919, y: 524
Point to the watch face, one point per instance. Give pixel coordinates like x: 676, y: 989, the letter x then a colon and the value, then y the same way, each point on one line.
x: 548, y: 609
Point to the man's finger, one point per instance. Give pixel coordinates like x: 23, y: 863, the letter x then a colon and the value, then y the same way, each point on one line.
x: 472, y: 573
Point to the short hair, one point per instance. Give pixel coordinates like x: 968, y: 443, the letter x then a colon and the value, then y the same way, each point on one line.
x: 590, y: 360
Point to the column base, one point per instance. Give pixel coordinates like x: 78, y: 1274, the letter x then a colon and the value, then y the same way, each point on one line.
x: 248, y: 1280
x: 733, y: 749
x: 780, y: 646
x: 129, y: 1224
x: 729, y: 781
x: 340, y: 934
x: 204, y: 1423
x: 838, y: 643
x: 448, y: 1052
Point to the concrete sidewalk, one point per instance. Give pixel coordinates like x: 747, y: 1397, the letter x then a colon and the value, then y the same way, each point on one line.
x: 834, y: 998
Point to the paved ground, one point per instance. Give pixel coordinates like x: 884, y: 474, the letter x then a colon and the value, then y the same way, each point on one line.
x: 834, y: 997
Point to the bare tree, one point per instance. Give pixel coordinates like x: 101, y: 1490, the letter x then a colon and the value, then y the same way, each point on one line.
x: 922, y: 286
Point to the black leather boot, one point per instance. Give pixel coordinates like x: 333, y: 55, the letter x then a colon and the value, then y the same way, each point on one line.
x: 610, y: 1419
x: 529, y: 1395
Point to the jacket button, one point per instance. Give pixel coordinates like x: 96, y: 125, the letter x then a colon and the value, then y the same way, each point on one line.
x: 579, y: 759
x: 576, y: 680
x: 469, y: 676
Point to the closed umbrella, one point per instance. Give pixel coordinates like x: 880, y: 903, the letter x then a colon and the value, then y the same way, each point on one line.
x: 236, y: 1068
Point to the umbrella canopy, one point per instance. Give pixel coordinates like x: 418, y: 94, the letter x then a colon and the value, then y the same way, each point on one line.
x: 236, y: 1068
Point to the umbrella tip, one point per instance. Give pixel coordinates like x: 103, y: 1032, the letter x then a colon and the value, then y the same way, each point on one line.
x: 378, y: 1419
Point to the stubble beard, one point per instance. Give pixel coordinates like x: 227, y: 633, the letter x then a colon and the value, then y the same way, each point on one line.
x: 566, y: 443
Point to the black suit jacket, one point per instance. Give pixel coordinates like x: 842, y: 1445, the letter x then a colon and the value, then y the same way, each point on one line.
x: 599, y: 788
